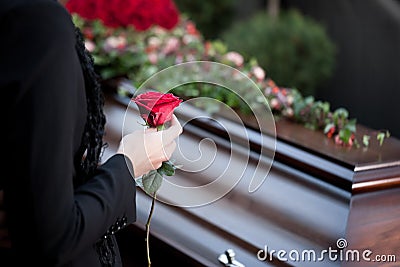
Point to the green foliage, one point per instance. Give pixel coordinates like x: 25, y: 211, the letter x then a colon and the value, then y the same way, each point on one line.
x: 151, y: 181
x: 294, y: 50
x: 381, y: 136
x: 210, y: 16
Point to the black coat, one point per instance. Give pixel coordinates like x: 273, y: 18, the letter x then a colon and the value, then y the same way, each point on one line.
x: 51, y: 221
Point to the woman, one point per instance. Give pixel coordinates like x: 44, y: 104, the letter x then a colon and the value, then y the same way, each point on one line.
x: 61, y: 207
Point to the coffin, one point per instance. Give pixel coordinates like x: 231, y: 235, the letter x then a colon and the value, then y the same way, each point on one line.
x: 316, y: 197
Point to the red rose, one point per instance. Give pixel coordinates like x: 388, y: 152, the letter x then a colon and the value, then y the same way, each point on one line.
x: 165, y: 14
x: 156, y: 108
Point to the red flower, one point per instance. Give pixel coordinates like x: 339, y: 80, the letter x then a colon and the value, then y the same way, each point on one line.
x: 331, y: 132
x: 141, y: 14
x: 87, y: 9
x: 165, y: 13
x: 275, y: 90
x: 191, y: 28
x: 156, y: 108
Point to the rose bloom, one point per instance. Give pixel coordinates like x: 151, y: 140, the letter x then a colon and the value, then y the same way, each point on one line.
x: 114, y: 42
x: 89, y: 45
x: 235, y: 57
x: 154, y: 42
x: 172, y: 45
x: 191, y: 28
x: 156, y: 108
x: 259, y: 73
x: 275, y: 103
x: 153, y: 58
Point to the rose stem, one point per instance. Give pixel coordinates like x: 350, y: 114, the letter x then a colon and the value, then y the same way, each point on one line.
x: 148, y: 229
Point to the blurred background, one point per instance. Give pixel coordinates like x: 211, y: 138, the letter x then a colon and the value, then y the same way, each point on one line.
x: 362, y: 74
x: 344, y: 53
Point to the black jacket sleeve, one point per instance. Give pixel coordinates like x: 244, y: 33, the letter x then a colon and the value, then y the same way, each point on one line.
x: 45, y: 107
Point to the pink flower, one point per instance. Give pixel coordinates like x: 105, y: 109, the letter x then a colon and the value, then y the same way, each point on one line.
x: 172, y: 45
x: 338, y: 141
x: 259, y: 73
x: 89, y: 45
x: 115, y: 43
x: 153, y: 58
x: 275, y: 103
x: 288, y: 112
x: 235, y: 58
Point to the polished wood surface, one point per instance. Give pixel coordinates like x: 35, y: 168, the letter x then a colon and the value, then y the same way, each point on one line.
x: 371, y: 168
x: 374, y: 224
x: 307, y: 202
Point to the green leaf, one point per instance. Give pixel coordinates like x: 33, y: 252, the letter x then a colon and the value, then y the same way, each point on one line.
x: 380, y: 137
x: 351, y: 125
x: 341, y: 113
x: 160, y: 127
x: 167, y: 168
x: 152, y: 182
x: 139, y: 182
x: 328, y: 127
x: 356, y: 144
x: 344, y: 135
x: 366, y: 140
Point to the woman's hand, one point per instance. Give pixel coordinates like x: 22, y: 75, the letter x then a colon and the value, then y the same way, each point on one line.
x: 147, y: 149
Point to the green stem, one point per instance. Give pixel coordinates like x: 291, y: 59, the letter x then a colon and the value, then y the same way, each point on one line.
x: 148, y: 230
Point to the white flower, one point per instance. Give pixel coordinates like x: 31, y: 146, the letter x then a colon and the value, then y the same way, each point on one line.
x: 289, y: 99
x: 154, y: 42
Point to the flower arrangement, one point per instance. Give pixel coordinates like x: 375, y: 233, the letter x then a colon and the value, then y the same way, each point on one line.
x: 137, y: 54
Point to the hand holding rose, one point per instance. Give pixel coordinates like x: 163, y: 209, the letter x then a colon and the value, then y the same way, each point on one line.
x: 148, y: 149
x: 157, y: 110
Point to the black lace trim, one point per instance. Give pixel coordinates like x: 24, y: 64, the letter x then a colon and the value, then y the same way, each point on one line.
x: 106, y: 250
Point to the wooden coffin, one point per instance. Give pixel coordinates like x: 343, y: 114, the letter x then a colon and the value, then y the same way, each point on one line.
x: 314, y: 196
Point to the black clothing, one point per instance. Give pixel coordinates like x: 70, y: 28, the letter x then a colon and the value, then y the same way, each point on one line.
x: 52, y: 222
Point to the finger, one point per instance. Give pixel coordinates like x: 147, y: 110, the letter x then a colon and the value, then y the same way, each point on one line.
x: 157, y: 165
